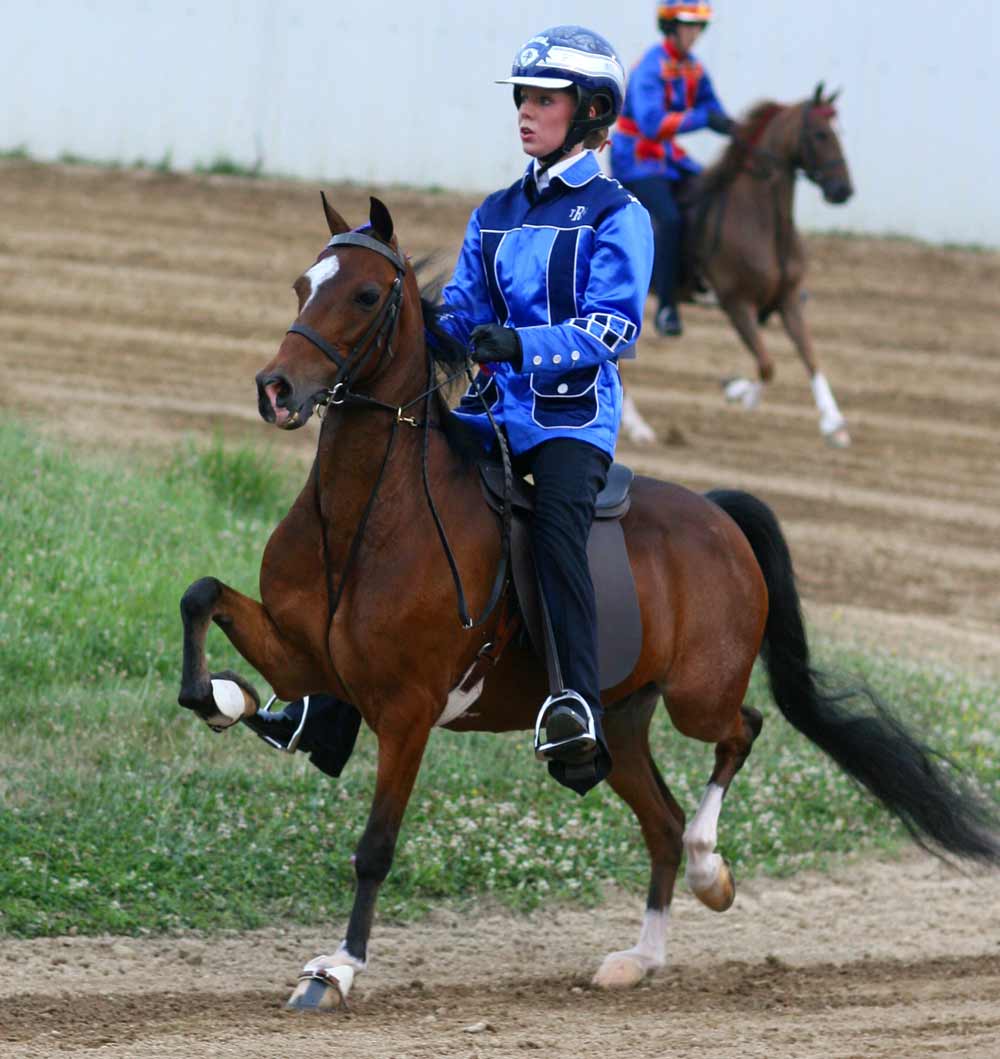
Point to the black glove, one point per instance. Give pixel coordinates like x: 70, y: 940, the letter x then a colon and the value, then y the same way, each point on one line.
x: 491, y: 342
x: 718, y: 122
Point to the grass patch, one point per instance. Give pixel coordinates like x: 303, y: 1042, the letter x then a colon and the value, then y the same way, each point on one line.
x: 121, y: 813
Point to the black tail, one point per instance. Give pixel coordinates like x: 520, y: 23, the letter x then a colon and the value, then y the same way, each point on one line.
x: 912, y: 781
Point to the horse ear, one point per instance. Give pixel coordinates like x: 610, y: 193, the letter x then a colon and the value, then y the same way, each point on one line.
x: 833, y: 98
x: 336, y: 223
x: 818, y: 96
x: 381, y: 219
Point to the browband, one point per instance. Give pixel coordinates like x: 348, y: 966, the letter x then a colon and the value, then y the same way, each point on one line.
x: 369, y: 243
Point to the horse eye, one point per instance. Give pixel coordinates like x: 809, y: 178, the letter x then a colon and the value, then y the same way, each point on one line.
x: 822, y: 135
x: 367, y: 297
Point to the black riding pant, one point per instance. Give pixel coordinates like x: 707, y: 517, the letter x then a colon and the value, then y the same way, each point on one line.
x: 568, y: 475
x: 659, y: 196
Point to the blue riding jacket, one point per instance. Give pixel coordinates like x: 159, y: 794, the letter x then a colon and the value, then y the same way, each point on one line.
x: 668, y: 94
x: 569, y: 268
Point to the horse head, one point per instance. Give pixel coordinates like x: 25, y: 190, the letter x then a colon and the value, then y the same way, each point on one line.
x: 818, y: 151
x: 350, y: 310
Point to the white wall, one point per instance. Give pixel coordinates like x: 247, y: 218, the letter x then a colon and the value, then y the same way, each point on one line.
x: 392, y: 91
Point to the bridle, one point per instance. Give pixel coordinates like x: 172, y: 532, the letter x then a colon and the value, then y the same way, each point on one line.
x: 804, y: 156
x: 379, y: 335
x: 380, y: 331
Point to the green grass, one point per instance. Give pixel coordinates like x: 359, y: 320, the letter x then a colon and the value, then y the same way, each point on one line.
x: 119, y: 812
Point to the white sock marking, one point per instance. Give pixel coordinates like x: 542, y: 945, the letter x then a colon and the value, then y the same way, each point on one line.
x: 700, y: 838
x: 830, y: 418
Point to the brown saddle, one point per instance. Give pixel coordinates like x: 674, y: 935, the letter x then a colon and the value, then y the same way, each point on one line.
x: 619, y: 624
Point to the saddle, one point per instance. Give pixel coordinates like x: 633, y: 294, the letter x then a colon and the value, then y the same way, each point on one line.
x: 619, y: 623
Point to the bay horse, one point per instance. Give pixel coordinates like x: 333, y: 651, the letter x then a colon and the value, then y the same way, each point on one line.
x: 358, y: 600
x: 745, y: 243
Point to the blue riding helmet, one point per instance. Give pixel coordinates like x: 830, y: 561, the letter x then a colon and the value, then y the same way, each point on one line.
x: 578, y: 58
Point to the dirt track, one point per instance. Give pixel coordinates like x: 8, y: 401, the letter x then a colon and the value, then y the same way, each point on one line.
x: 135, y: 309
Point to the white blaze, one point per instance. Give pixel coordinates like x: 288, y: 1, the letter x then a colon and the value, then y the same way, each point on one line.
x: 319, y: 274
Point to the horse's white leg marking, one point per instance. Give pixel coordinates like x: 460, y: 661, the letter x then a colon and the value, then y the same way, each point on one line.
x: 319, y: 274
x: 831, y: 423
x: 231, y: 702
x: 700, y: 836
x: 635, y: 426
x: 620, y: 970
x: 743, y: 391
x: 341, y: 967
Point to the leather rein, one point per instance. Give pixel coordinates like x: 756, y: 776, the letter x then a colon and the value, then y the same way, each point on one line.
x: 380, y: 334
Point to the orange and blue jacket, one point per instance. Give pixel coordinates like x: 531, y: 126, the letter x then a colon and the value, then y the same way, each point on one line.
x: 667, y: 96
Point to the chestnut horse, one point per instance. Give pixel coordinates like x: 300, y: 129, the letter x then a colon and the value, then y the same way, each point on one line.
x: 745, y: 242
x: 359, y: 601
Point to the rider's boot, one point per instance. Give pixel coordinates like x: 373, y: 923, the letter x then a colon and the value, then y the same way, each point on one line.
x: 322, y: 726
x: 668, y: 321
x: 573, y: 743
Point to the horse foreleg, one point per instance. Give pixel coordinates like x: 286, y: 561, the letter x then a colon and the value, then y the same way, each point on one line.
x: 743, y: 316
x: 637, y: 429
x: 832, y: 425
x: 326, y: 980
x: 636, y: 779
x: 708, y: 874
x: 221, y: 699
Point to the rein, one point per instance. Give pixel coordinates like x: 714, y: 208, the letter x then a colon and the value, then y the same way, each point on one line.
x: 382, y: 330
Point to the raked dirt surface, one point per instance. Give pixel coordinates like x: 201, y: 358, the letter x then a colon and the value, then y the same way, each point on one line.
x: 135, y: 309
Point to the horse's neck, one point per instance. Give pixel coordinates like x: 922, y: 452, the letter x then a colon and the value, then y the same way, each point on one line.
x: 777, y: 147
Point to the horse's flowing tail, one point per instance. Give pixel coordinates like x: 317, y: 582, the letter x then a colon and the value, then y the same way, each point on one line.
x: 871, y: 745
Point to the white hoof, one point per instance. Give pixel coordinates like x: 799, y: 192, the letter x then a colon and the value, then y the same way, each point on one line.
x: 838, y: 438
x: 637, y: 429
x: 231, y: 702
x: 621, y: 970
x: 742, y: 391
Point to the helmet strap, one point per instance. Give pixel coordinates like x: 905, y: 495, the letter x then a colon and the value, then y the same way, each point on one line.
x: 580, y: 126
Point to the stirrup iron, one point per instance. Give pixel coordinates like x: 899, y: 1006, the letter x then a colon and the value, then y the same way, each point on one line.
x: 582, y: 742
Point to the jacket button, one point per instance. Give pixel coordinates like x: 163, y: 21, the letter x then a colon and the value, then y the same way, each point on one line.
x: 557, y: 359
x: 562, y: 387
x: 575, y: 355
x: 536, y: 360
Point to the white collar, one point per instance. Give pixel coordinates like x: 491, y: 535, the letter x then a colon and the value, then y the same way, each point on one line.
x: 543, y: 178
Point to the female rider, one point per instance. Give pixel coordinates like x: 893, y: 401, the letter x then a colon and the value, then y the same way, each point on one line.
x: 548, y: 291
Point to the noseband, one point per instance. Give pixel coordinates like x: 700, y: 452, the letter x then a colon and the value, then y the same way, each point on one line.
x: 382, y: 327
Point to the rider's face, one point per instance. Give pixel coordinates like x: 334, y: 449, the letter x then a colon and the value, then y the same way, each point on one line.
x: 687, y: 34
x: 543, y: 119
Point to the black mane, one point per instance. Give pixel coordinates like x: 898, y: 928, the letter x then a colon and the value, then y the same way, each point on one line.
x: 448, y: 355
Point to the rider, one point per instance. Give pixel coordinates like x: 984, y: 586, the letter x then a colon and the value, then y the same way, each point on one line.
x: 669, y: 94
x: 548, y: 291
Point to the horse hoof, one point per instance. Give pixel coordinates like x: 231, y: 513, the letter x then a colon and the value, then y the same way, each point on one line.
x: 321, y: 991
x: 619, y: 971
x: 838, y: 439
x: 720, y: 894
x: 742, y: 391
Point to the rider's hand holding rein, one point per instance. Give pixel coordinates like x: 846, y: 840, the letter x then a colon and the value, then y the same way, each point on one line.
x: 492, y: 343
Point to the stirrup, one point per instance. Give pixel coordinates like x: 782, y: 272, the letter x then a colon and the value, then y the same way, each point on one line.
x: 575, y: 745
x: 278, y: 736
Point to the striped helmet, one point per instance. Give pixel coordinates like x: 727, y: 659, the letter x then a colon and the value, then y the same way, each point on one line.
x: 669, y: 15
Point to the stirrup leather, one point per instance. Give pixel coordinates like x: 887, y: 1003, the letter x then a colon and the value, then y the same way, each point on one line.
x: 583, y: 742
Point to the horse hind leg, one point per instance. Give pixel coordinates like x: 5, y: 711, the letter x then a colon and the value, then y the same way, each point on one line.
x: 708, y: 874
x: 637, y: 781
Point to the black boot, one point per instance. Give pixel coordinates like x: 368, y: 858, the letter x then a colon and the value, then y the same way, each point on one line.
x: 668, y: 321
x: 574, y: 745
x: 322, y: 726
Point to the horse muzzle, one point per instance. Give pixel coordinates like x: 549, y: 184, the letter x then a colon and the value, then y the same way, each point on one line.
x: 278, y: 404
x: 837, y: 192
